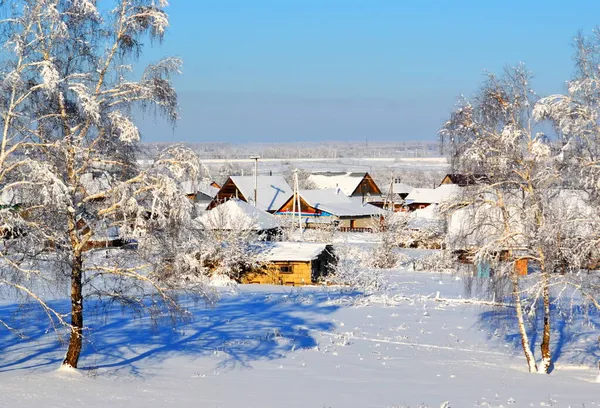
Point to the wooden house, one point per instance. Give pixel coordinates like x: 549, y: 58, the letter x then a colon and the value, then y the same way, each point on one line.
x: 352, y: 184
x: 320, y: 208
x: 272, y: 192
x: 294, y: 264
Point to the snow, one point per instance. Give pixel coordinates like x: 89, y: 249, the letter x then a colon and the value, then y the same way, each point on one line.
x: 273, y: 191
x: 193, y: 187
x: 426, y: 218
x: 96, y: 182
x: 418, y: 343
x: 432, y: 195
x: 346, y: 182
x: 293, y: 251
x: 399, y: 188
x: 238, y: 215
x: 330, y: 201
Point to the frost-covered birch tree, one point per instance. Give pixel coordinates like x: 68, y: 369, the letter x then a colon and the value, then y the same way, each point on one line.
x: 68, y: 176
x: 521, y: 208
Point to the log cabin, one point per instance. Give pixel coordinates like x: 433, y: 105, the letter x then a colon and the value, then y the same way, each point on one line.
x: 294, y: 264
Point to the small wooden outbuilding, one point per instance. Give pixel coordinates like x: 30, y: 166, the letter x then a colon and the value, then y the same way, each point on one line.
x: 294, y: 264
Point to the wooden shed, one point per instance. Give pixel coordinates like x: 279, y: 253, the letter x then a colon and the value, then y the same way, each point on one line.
x: 294, y: 264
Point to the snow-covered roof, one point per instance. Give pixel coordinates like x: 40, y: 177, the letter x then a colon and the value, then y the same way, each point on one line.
x: 329, y: 200
x: 209, y: 190
x: 192, y: 187
x: 400, y: 188
x: 293, y: 251
x: 346, y: 182
x: 238, y: 215
x: 273, y: 191
x: 432, y: 195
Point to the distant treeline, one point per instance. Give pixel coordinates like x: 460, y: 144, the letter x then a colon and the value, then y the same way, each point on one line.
x: 366, y: 149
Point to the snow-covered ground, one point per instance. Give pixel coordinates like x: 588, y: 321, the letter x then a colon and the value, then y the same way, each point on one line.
x: 269, y: 346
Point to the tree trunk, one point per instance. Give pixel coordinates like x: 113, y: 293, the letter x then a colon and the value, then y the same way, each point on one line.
x: 546, y: 363
x: 521, y: 322
x: 76, y: 339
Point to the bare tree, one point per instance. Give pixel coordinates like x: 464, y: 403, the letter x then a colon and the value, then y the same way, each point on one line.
x: 67, y: 162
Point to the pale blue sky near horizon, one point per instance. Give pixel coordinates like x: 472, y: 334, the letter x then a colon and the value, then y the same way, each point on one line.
x: 312, y: 70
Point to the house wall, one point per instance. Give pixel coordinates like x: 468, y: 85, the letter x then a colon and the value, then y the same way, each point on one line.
x: 228, y: 191
x: 288, y: 207
x: 366, y: 186
x: 300, y: 275
x: 446, y: 180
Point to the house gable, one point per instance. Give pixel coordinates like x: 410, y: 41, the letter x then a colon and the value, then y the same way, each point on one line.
x: 367, y: 186
x: 305, y: 208
x: 464, y: 180
x: 227, y: 192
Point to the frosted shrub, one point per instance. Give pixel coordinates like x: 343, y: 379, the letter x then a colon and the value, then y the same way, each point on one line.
x: 354, y: 270
x: 437, y: 261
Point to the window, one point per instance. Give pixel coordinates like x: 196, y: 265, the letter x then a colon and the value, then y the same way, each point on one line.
x: 286, y: 269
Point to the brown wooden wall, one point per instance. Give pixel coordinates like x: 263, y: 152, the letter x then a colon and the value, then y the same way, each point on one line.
x: 300, y: 275
x: 304, y: 207
x: 446, y: 180
x: 366, y: 186
x: 228, y: 191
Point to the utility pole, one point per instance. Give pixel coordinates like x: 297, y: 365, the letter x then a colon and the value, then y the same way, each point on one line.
x: 255, y: 158
x: 297, y: 188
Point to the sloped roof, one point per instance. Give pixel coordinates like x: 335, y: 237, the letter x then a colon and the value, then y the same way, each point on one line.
x: 346, y: 182
x: 330, y: 201
x: 273, y: 191
x: 400, y: 188
x: 293, y: 251
x: 464, y: 180
x: 238, y: 215
x: 432, y: 195
x: 204, y: 186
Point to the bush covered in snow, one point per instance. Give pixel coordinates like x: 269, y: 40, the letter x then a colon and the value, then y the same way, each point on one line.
x: 355, y: 270
x: 436, y: 261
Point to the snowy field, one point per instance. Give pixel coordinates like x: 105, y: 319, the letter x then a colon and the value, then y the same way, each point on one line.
x: 417, y: 344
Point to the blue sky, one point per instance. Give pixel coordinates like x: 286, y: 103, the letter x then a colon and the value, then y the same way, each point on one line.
x: 289, y: 70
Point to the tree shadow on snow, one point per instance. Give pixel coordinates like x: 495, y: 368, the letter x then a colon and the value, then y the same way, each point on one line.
x: 240, y: 329
x: 574, y: 332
